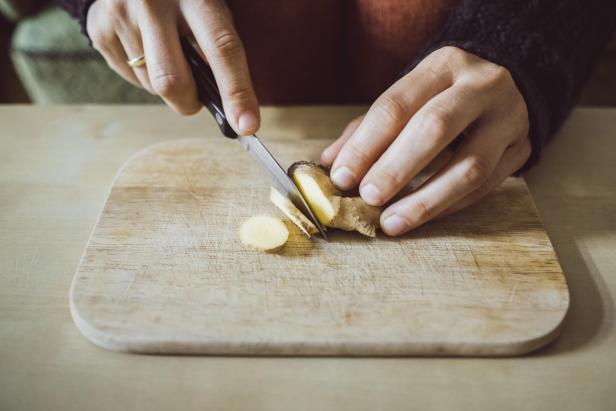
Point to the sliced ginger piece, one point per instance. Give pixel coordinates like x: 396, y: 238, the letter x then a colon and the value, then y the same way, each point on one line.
x: 264, y: 233
x: 297, y: 217
x: 330, y: 206
x: 317, y: 189
x: 318, y: 192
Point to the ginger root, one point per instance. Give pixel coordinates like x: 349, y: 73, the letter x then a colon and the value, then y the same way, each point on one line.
x: 334, y: 208
x: 330, y: 206
x: 293, y: 213
x: 264, y: 233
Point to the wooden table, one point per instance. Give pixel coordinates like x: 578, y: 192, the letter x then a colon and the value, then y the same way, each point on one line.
x: 56, y: 166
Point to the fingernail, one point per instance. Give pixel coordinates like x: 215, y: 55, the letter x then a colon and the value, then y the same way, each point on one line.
x: 394, y: 225
x: 370, y: 194
x: 343, y: 178
x: 247, y: 123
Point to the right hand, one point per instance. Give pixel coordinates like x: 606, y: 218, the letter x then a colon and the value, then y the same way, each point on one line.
x: 124, y: 29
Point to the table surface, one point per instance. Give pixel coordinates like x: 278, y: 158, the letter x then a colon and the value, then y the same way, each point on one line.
x: 56, y: 167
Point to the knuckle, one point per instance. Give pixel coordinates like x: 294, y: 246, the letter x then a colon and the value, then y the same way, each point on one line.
x: 239, y: 94
x: 520, y: 118
x: 101, y: 40
x: 433, y: 65
x: 146, y: 4
x: 525, y: 149
x: 116, y: 7
x: 437, y: 121
x: 450, y: 56
x: 476, y: 171
x: 188, y: 109
x: 450, y: 52
x: 360, y: 153
x: 389, y: 179
x: 96, y: 37
x: 419, y: 212
x: 514, y: 111
x: 496, y: 77
x: 391, y: 107
x: 227, y: 44
x: 518, y: 108
x: 168, y: 85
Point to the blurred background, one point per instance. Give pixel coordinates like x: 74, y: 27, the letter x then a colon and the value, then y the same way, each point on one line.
x: 45, y: 59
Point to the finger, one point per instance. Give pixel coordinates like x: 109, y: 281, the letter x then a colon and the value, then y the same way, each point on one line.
x: 330, y: 153
x: 133, y: 47
x: 105, y: 41
x: 512, y: 160
x: 114, y: 56
x: 384, y: 120
x: 213, y: 29
x: 472, y: 165
x: 434, y: 126
x: 167, y: 68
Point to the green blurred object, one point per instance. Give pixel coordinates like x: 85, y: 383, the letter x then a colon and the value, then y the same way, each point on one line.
x: 18, y: 9
x: 56, y: 64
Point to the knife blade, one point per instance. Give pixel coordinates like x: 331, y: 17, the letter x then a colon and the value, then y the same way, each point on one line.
x: 284, y: 183
x: 209, y: 96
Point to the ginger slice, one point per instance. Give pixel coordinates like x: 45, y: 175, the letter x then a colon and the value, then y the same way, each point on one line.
x: 297, y: 217
x: 264, y: 233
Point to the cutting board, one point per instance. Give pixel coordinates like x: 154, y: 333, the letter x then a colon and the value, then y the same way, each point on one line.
x: 164, y: 271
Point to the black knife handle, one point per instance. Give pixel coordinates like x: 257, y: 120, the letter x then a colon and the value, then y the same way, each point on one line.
x: 207, y: 89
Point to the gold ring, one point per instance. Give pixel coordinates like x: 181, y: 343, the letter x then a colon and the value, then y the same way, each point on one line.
x: 137, y: 61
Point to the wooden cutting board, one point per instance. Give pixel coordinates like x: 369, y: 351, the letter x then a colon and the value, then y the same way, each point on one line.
x: 164, y: 271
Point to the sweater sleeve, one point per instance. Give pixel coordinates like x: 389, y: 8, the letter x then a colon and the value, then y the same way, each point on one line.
x: 78, y: 9
x: 548, y: 46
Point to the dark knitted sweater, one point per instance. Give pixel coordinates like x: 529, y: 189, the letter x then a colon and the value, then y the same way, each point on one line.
x: 549, y: 46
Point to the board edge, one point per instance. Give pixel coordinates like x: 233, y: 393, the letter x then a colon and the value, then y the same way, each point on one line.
x: 178, y: 347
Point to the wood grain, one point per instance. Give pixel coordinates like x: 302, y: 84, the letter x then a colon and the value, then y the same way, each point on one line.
x: 56, y: 174
x: 164, y: 271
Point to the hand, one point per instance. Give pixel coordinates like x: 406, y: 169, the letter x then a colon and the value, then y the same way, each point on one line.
x: 123, y: 29
x: 448, y: 93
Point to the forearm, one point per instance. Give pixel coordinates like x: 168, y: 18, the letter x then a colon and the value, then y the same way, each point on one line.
x: 549, y: 47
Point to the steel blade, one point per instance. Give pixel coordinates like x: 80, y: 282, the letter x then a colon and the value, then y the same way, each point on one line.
x: 259, y: 152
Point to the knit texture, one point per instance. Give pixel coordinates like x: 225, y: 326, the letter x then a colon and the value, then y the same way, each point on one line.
x: 548, y: 46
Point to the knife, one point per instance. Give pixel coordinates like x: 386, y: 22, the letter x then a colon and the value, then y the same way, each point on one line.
x: 209, y: 95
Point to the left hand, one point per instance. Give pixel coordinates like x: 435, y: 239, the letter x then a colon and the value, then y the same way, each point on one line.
x: 451, y: 91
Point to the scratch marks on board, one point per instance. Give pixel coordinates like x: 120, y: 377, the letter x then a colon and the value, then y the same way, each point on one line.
x: 184, y: 266
x: 512, y: 295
